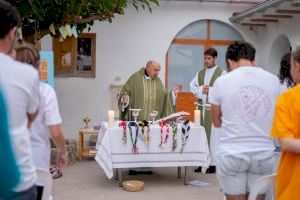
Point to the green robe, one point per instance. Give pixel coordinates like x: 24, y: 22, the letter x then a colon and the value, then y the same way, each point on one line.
x: 207, y: 121
x: 147, y: 95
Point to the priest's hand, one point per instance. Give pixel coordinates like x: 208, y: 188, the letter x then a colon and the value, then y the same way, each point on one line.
x: 205, y: 89
x: 125, y: 99
x: 177, y: 89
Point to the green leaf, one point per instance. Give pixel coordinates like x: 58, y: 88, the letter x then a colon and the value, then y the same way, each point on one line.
x: 60, y: 12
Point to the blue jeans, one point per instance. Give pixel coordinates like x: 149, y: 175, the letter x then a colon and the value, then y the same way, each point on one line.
x: 29, y: 194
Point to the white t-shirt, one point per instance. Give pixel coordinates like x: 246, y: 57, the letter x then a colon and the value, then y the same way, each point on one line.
x: 247, y: 98
x: 39, y: 131
x: 20, y: 86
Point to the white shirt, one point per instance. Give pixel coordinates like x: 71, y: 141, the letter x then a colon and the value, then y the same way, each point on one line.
x: 195, y: 88
x: 284, y: 86
x: 247, y: 98
x: 39, y: 131
x: 20, y: 86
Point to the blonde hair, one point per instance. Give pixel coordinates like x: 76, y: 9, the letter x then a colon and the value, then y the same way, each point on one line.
x: 296, y: 55
x: 27, y: 53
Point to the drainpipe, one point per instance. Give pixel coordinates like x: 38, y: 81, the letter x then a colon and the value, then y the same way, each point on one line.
x: 251, y: 11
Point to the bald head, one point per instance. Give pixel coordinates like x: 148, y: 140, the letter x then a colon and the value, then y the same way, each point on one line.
x: 153, y: 68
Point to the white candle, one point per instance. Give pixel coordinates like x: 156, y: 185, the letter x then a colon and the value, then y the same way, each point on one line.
x: 197, y: 114
x: 111, y: 118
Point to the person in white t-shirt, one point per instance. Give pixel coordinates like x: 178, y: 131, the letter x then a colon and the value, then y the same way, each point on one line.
x: 47, y: 123
x: 19, y: 83
x: 242, y: 106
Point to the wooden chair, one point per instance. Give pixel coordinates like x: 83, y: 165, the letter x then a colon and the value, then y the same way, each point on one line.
x: 185, y: 102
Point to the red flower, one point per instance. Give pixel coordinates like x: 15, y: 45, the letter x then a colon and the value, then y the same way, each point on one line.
x: 122, y: 124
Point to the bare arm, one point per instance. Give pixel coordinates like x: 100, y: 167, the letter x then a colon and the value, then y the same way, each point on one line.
x: 59, y: 140
x: 216, y: 115
x: 290, y: 144
x: 34, y: 101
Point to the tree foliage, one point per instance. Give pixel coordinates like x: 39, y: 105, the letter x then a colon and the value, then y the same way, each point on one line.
x: 38, y: 15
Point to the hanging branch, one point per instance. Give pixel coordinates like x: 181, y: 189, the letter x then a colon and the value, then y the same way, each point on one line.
x: 82, y: 13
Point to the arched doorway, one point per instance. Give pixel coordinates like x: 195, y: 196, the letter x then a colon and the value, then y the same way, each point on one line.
x: 279, y: 48
x: 185, y: 54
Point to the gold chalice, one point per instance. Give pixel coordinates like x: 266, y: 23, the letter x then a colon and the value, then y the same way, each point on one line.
x: 86, y: 120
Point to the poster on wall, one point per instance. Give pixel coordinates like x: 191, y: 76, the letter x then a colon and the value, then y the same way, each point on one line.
x: 47, y: 67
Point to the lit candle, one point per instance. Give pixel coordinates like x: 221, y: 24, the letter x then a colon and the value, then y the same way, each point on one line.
x: 111, y: 118
x: 197, y: 114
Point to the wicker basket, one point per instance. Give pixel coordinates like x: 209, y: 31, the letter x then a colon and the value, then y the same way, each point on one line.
x: 133, y: 185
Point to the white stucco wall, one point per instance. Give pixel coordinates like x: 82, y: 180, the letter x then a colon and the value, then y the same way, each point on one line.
x: 273, y: 39
x: 123, y: 47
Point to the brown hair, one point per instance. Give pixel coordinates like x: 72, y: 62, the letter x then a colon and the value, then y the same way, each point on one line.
x: 211, y: 52
x: 240, y: 50
x: 296, y: 55
x: 9, y: 18
x: 27, y: 53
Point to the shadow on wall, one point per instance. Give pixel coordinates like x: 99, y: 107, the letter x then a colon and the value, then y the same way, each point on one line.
x: 280, y: 47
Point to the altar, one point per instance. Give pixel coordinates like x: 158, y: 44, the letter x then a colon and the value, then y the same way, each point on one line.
x: 113, y: 153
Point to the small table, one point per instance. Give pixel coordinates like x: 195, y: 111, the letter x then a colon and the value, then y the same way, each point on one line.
x: 86, y: 152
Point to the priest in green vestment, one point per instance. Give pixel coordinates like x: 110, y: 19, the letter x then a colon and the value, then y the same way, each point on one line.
x: 144, y: 90
x: 200, y: 86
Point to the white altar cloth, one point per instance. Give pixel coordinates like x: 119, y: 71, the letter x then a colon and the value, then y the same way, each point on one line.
x: 112, y: 153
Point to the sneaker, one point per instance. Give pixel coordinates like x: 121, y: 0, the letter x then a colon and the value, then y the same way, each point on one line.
x: 132, y: 172
x: 199, y: 169
x: 211, y: 170
x: 145, y: 172
x: 56, y: 173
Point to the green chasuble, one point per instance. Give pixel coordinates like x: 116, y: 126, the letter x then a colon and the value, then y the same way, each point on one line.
x: 207, y: 121
x: 146, y: 94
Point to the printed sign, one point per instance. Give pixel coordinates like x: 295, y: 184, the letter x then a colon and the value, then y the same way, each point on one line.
x: 47, y: 67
